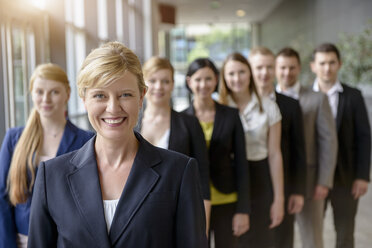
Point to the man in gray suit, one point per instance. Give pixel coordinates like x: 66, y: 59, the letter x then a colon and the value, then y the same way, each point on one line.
x: 320, y: 145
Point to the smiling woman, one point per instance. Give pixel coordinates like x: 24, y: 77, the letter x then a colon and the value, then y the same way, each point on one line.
x: 118, y: 190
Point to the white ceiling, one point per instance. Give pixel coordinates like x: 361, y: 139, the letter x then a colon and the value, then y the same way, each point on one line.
x: 221, y: 11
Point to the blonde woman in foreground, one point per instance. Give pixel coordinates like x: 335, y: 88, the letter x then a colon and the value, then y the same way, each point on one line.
x: 118, y: 190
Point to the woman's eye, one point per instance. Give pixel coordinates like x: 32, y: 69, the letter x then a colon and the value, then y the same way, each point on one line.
x: 98, y: 96
x: 55, y: 92
x: 152, y: 81
x: 126, y: 95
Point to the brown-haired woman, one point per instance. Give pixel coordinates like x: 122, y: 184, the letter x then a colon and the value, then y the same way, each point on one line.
x: 261, y: 121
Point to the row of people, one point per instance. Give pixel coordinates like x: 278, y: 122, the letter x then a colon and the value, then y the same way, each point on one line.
x: 252, y: 172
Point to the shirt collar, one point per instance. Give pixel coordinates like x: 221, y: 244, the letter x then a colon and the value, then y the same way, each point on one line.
x: 293, y: 91
x: 336, y: 88
x: 272, y: 96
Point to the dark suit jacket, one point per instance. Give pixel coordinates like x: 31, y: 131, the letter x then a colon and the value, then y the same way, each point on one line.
x: 229, y: 170
x: 354, y: 138
x: 15, y: 220
x: 160, y: 207
x: 292, y: 145
x: 186, y: 136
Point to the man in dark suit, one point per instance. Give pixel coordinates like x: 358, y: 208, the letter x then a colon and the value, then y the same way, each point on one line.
x: 354, y: 146
x: 292, y: 142
x: 320, y: 145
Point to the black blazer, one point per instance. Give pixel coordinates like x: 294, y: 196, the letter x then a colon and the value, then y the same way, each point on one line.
x: 161, y: 204
x: 292, y: 145
x: 354, y: 138
x: 229, y: 170
x: 186, y: 136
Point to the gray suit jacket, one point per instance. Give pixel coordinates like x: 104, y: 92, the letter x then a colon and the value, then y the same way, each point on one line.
x: 320, y: 139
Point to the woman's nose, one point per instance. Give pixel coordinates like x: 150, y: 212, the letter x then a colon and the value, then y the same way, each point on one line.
x: 46, y: 97
x: 113, y: 105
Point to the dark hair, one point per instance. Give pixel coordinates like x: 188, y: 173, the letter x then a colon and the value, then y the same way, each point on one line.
x: 326, y: 48
x: 289, y: 52
x: 224, y: 91
x: 198, y: 64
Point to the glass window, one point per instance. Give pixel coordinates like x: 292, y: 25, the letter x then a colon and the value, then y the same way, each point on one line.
x: 102, y: 19
x: 189, y: 42
x: 20, y: 98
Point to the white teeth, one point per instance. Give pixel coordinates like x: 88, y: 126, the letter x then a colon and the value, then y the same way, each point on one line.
x: 113, y: 121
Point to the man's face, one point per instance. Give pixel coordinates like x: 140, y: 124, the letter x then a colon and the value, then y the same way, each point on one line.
x: 326, y: 66
x: 287, y: 71
x: 263, y: 69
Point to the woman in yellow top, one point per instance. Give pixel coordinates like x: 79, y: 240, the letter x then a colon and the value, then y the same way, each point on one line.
x: 228, y: 165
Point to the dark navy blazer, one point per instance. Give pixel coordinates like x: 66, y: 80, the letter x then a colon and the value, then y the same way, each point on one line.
x: 160, y: 207
x: 229, y: 169
x: 186, y: 136
x: 15, y: 220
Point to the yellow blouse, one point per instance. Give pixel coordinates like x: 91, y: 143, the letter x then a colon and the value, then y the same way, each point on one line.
x: 217, y: 197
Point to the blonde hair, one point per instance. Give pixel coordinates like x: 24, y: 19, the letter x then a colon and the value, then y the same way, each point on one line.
x: 31, y: 140
x: 106, y: 64
x: 224, y: 91
x: 155, y: 64
x: 261, y: 50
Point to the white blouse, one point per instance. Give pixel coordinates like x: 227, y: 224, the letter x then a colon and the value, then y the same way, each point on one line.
x: 164, y: 141
x: 109, y: 207
x: 256, y: 125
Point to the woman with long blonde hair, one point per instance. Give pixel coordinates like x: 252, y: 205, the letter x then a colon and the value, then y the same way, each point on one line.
x: 46, y: 134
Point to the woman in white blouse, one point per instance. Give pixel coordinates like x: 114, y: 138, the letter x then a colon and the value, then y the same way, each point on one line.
x: 261, y: 121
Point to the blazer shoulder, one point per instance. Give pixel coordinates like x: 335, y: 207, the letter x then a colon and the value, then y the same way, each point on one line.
x: 184, y: 117
x: 226, y: 109
x: 286, y: 99
x: 61, y: 162
x: 81, y: 133
x: 351, y: 90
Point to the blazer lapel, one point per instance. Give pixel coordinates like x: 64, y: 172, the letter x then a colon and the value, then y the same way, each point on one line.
x: 68, y: 137
x: 173, y: 135
x: 87, y: 193
x: 340, y: 108
x: 217, y: 125
x: 141, y: 180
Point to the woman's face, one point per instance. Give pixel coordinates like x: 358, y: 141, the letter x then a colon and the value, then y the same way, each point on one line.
x: 237, y: 76
x: 113, y: 110
x: 160, y: 85
x: 49, y: 97
x: 202, y: 83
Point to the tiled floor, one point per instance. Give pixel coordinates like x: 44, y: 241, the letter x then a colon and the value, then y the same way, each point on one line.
x: 363, y: 232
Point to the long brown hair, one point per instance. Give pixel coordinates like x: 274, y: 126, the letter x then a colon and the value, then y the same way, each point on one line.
x: 28, y: 147
x: 224, y: 91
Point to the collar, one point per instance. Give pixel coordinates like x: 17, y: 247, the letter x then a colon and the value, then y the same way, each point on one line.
x: 336, y: 88
x: 272, y: 96
x: 293, y: 91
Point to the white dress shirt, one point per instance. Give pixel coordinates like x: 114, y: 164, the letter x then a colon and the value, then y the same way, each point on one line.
x: 293, y: 91
x: 256, y: 125
x: 332, y: 94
